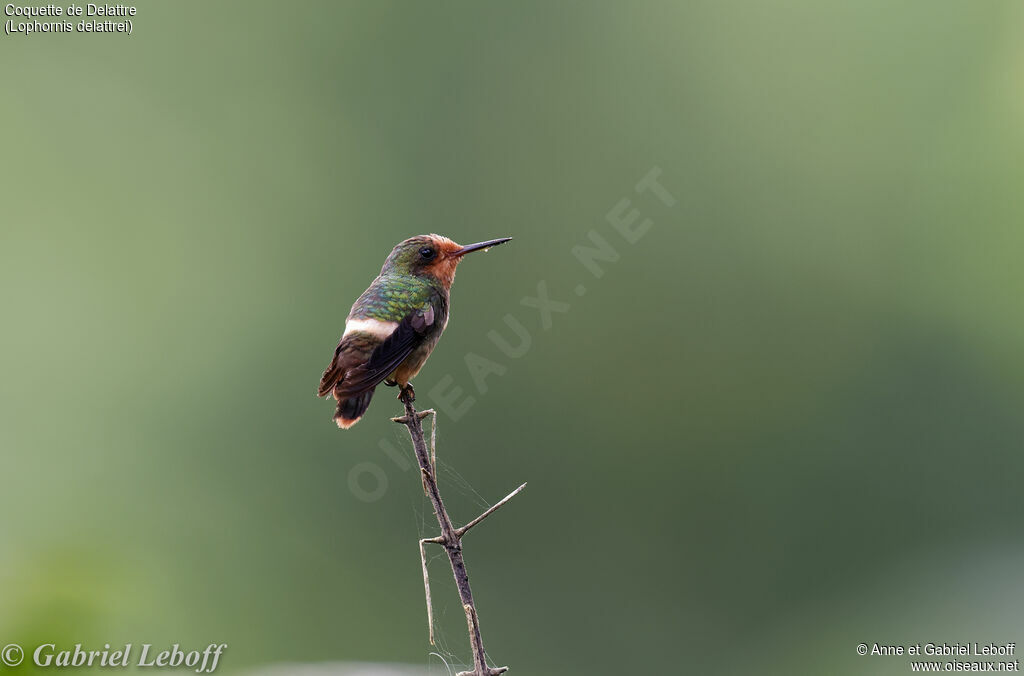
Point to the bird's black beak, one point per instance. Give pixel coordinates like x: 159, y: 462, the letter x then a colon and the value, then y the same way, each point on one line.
x: 479, y: 245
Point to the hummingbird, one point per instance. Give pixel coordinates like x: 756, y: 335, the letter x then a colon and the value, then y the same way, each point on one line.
x: 393, y: 327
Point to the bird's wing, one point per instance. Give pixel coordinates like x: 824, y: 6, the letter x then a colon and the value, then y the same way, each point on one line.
x: 352, y: 349
x: 392, y: 351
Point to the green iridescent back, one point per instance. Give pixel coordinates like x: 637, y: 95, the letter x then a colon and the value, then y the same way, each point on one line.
x: 392, y: 296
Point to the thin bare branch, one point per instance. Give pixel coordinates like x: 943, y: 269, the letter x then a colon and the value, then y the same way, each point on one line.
x: 426, y: 589
x: 450, y: 537
x: 495, y: 507
x: 433, y: 442
x: 419, y: 414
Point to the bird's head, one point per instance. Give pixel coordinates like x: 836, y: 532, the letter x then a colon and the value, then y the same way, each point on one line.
x: 431, y: 256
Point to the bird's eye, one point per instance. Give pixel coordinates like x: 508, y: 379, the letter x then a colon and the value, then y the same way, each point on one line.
x: 427, y: 253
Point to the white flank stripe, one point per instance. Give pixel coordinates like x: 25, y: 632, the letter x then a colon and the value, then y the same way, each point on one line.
x: 375, y: 326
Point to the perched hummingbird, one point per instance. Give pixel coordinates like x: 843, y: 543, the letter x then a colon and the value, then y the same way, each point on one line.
x: 393, y: 327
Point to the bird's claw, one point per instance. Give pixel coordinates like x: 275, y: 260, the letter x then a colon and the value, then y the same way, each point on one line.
x: 407, y: 388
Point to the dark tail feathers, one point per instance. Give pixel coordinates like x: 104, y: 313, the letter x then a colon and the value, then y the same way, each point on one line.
x: 350, y: 410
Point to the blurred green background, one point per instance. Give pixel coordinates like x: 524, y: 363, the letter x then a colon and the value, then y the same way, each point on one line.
x: 785, y: 421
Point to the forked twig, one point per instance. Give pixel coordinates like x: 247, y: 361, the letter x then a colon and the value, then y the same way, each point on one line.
x: 450, y: 537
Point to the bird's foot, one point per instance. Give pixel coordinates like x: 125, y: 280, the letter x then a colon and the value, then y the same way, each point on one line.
x: 406, y: 392
x: 390, y: 383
